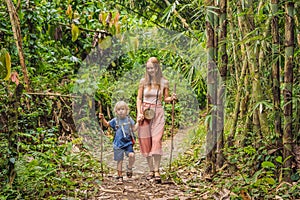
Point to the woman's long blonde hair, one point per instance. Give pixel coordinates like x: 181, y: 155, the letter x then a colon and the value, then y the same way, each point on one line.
x: 158, y: 75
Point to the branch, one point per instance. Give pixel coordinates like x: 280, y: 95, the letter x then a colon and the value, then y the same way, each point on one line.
x: 15, y: 23
x: 51, y: 94
x: 183, y: 21
x: 86, y: 29
x: 111, y: 191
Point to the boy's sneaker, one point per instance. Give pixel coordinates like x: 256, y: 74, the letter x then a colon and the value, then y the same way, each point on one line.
x: 129, y: 172
x: 119, y: 180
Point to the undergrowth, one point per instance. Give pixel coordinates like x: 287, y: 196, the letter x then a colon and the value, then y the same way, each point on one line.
x: 52, y: 169
x: 248, y: 173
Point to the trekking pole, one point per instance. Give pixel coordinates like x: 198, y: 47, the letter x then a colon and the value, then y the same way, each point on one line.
x: 172, y: 129
x: 101, y: 141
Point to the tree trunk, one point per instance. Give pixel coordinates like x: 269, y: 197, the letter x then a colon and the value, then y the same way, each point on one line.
x: 263, y: 63
x: 246, y: 105
x: 246, y: 24
x: 223, y: 61
x: 15, y: 23
x: 211, y: 94
x: 297, y: 120
x: 276, y: 71
x: 297, y: 79
x: 256, y: 90
x: 12, y: 133
x: 287, y: 92
x: 240, y: 82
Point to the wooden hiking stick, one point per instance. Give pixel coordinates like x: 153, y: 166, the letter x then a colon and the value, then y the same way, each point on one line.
x: 172, y: 129
x: 101, y: 140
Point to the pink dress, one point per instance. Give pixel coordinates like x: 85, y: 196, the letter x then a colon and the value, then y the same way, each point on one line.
x: 150, y: 132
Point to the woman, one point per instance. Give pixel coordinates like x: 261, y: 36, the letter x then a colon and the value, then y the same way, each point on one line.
x: 153, y: 88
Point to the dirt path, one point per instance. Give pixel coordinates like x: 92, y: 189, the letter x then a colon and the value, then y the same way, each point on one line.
x: 138, y: 187
x: 179, y: 143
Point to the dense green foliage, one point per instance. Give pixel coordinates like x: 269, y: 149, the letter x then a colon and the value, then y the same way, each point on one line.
x: 260, y: 182
x: 96, y: 50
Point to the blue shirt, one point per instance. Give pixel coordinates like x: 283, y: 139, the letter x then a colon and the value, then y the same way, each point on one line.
x: 122, y: 129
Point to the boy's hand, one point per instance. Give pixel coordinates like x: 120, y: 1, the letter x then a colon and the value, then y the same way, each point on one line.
x: 103, y: 120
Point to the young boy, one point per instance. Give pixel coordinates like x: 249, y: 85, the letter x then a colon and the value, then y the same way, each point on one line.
x: 123, y: 126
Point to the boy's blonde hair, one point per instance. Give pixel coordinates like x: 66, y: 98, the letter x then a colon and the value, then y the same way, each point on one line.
x: 120, y: 104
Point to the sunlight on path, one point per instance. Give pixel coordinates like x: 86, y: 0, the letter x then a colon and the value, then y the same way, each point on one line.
x: 180, y: 144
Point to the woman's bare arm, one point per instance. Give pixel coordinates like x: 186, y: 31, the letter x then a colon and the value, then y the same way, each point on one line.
x: 139, y: 101
x: 168, y: 98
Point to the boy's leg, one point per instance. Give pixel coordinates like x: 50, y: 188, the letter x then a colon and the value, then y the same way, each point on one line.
x: 131, y: 160
x: 131, y: 156
x: 120, y: 176
x: 119, y: 167
x: 119, y: 156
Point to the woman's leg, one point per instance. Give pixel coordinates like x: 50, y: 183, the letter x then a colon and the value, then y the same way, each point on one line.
x: 157, y: 159
x: 150, y: 163
x: 151, y: 168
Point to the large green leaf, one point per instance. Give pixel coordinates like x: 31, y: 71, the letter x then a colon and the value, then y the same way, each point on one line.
x: 267, y: 164
x: 75, y: 32
x: 5, y: 64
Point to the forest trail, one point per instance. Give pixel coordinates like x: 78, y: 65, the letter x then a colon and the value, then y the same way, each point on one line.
x: 140, y: 166
x: 138, y: 187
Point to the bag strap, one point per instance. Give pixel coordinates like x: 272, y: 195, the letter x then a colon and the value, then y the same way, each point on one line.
x: 116, y: 128
x: 130, y: 126
x: 156, y: 97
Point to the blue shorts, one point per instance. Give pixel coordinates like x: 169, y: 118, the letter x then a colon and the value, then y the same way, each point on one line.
x: 119, y: 152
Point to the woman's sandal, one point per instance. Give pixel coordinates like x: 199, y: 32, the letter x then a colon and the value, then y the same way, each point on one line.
x: 119, y: 180
x: 157, y: 177
x: 129, y: 172
x: 150, y: 175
